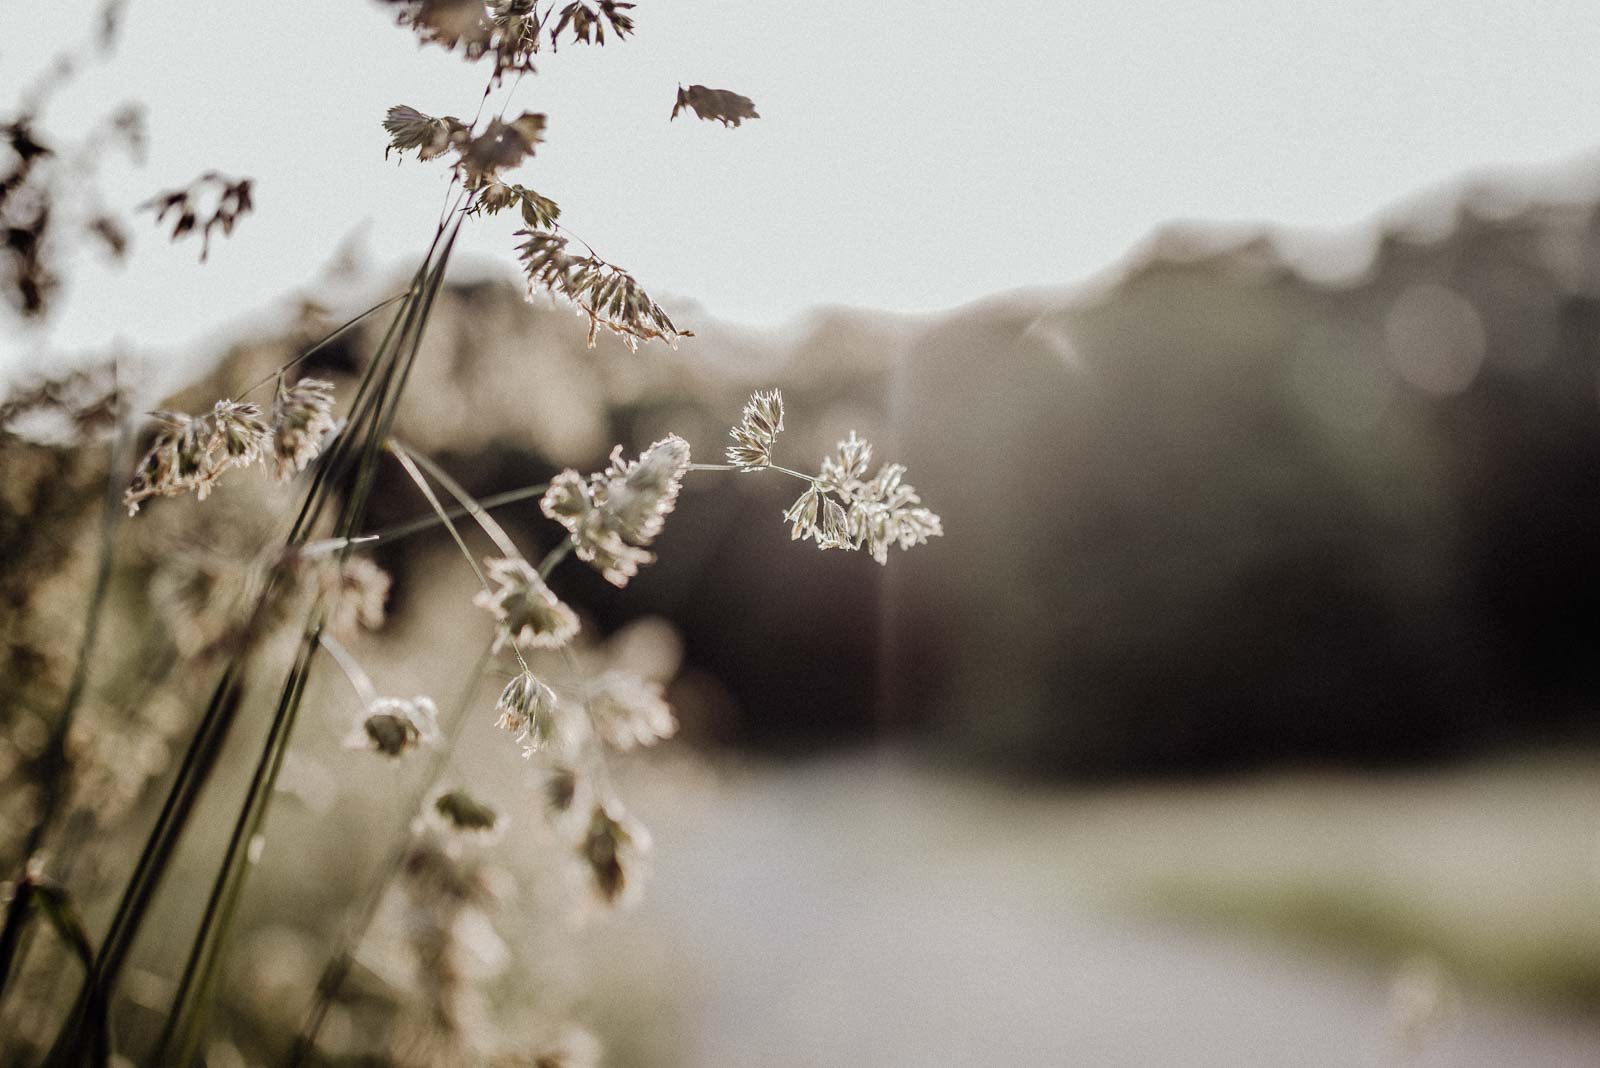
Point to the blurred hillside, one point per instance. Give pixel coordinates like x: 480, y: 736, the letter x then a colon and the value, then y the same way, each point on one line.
x: 1216, y: 511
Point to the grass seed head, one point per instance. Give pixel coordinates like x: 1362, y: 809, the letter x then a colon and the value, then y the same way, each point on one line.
x: 528, y: 614
x: 629, y: 711
x: 302, y: 416
x: 393, y: 726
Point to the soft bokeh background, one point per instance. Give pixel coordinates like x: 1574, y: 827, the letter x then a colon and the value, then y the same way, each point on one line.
x: 910, y: 156
x: 1245, y: 714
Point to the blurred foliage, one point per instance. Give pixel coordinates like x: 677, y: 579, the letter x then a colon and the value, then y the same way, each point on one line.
x: 1232, y: 514
x: 1214, y: 513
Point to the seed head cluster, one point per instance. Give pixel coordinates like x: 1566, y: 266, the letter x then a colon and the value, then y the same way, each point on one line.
x: 615, y: 513
x: 604, y: 293
x: 222, y: 200
x: 755, y: 433
x: 629, y: 711
x: 841, y: 508
x: 393, y: 726
x: 613, y: 848
x: 876, y: 513
x: 353, y: 591
x: 302, y: 415
x: 458, y: 812
x: 611, y: 517
x: 191, y: 452
x: 447, y: 893
x: 529, y: 709
x: 527, y: 614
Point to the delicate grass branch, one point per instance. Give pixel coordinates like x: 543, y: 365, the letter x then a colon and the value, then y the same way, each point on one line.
x: 372, y: 409
x: 494, y: 530
x: 187, y: 1021
x: 554, y: 557
x: 438, y: 510
x: 357, y: 676
x: 390, y: 535
x: 325, y: 340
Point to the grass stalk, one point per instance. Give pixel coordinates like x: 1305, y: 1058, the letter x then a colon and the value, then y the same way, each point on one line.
x: 186, y: 1021
x: 88, y: 1017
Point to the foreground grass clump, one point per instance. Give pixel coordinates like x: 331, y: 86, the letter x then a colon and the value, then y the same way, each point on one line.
x: 251, y: 635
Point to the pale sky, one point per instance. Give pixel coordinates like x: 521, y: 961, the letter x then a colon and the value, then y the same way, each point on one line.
x: 910, y: 156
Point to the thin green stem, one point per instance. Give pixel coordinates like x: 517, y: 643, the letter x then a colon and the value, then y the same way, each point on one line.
x: 224, y: 889
x: 87, y: 1017
x: 764, y: 467
x: 377, y: 419
x: 354, y: 673
x: 334, y: 333
x: 496, y: 532
x: 473, y: 507
x: 438, y: 509
x: 554, y: 557
x: 390, y: 535
x: 333, y: 463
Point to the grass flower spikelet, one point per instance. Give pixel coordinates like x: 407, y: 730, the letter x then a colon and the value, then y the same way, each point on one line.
x: 302, y: 416
x: 528, y: 614
x: 393, y: 726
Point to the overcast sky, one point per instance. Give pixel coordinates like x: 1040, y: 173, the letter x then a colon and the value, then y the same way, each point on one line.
x: 910, y: 155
